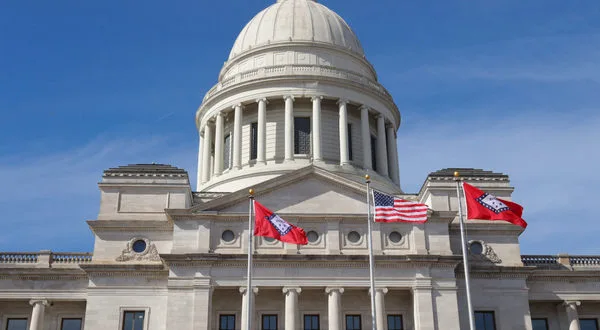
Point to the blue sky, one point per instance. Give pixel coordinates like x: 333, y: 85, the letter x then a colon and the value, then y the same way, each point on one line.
x: 510, y: 86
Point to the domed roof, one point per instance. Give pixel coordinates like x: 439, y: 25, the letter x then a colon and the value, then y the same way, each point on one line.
x: 296, y: 20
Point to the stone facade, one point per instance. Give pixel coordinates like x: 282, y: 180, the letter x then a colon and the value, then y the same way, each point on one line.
x: 167, y: 257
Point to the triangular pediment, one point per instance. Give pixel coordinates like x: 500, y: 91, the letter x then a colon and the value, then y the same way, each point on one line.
x: 310, y: 190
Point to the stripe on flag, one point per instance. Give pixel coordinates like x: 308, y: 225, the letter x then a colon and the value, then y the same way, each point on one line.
x: 393, y: 209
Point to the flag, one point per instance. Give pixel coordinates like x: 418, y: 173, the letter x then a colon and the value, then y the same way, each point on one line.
x: 484, y: 206
x: 269, y: 224
x: 393, y: 209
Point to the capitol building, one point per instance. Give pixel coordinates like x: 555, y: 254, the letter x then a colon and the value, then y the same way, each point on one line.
x: 297, y: 114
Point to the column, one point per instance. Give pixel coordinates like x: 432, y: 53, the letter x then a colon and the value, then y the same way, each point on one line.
x: 382, y: 159
x: 344, y: 158
x: 380, y: 308
x: 200, y: 150
x: 291, y: 308
x: 219, y: 144
x: 289, y: 127
x: 37, y: 315
x: 572, y: 316
x: 334, y: 308
x: 366, y: 137
x: 423, y: 308
x: 237, y: 136
x: 202, y: 308
x: 261, y: 148
x: 316, y: 128
x: 244, y: 292
x: 206, y: 153
x: 393, y: 154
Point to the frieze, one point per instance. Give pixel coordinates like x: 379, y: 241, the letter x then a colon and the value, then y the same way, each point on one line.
x: 150, y: 253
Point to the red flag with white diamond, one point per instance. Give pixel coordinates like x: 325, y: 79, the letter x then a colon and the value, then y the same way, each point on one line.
x: 484, y: 206
x: 269, y: 224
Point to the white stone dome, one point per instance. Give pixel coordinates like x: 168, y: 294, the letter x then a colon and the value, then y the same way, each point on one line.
x: 296, y: 20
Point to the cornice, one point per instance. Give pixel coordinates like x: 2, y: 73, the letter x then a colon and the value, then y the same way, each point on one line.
x: 46, y: 274
x: 564, y: 275
x: 153, y: 271
x: 491, y: 271
x: 137, y: 225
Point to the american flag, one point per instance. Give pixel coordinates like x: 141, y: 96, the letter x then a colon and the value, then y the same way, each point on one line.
x: 393, y: 209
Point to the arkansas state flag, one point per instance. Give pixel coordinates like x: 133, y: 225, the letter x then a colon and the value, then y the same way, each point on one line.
x: 484, y: 206
x: 269, y: 224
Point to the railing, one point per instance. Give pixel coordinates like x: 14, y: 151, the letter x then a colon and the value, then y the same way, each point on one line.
x: 561, y: 260
x: 44, y: 258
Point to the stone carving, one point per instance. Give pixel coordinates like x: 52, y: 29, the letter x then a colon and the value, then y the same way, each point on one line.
x: 149, y: 254
x: 488, y: 254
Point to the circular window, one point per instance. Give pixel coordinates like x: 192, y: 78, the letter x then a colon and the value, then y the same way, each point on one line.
x: 312, y: 236
x: 476, y: 248
x: 269, y: 239
x: 353, y: 236
x: 139, y: 246
x: 228, y: 236
x: 395, y: 237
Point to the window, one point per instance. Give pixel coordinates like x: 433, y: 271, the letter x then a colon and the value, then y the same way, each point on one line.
x: 16, y: 324
x: 311, y: 322
x: 70, y: 324
x: 302, y: 135
x: 374, y: 152
x: 394, y: 322
x: 349, y: 141
x: 588, y: 324
x: 227, y: 152
x: 485, y: 321
x: 226, y: 322
x: 353, y: 322
x: 539, y: 324
x: 133, y: 320
x: 269, y: 322
x: 253, y: 140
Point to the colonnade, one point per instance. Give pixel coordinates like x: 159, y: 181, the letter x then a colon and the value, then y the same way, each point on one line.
x: 386, y: 148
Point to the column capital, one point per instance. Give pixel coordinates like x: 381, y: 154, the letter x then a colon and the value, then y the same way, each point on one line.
x: 243, y: 290
x: 262, y: 99
x: 285, y: 97
x: 287, y: 289
x: 316, y: 97
x: 41, y: 301
x: 219, y: 114
x: 342, y: 101
x: 241, y: 106
x: 380, y: 115
x: 329, y: 290
x: 571, y: 303
x: 380, y: 290
x: 365, y: 107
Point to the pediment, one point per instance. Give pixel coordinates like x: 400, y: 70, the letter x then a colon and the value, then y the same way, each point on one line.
x: 307, y: 191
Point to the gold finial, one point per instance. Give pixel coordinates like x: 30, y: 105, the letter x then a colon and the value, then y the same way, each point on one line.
x: 456, y: 174
x: 251, y: 192
x: 367, y: 177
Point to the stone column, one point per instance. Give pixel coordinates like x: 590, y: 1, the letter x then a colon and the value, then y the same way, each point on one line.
x: 423, y: 307
x: 202, y: 308
x: 572, y: 315
x: 382, y: 159
x: 244, y: 292
x: 316, y: 128
x: 219, y: 144
x: 334, y: 305
x: 37, y: 315
x: 380, y: 308
x: 206, y: 153
x: 237, y: 136
x: 200, y: 162
x: 344, y: 158
x: 366, y: 137
x: 289, y: 127
x: 291, y: 308
x: 393, y: 154
x: 261, y: 145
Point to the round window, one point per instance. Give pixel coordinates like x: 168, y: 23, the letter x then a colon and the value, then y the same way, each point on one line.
x: 353, y: 236
x: 139, y: 246
x: 395, y: 237
x: 269, y: 239
x: 312, y: 236
x: 227, y: 236
x: 476, y: 248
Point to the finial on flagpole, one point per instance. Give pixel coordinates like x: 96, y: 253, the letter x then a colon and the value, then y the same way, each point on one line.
x: 456, y: 174
x: 251, y: 192
x: 367, y: 178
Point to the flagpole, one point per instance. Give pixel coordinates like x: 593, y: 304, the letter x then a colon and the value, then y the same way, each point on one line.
x: 464, y: 253
x: 249, y: 292
x: 371, y: 261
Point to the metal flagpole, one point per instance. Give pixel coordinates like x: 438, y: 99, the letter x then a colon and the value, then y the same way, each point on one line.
x: 371, y: 261
x: 249, y: 292
x: 464, y: 252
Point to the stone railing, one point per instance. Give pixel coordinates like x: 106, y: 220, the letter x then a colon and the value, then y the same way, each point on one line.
x: 43, y: 259
x: 561, y: 260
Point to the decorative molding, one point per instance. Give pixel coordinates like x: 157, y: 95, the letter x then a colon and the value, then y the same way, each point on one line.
x: 149, y: 254
x: 487, y: 255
